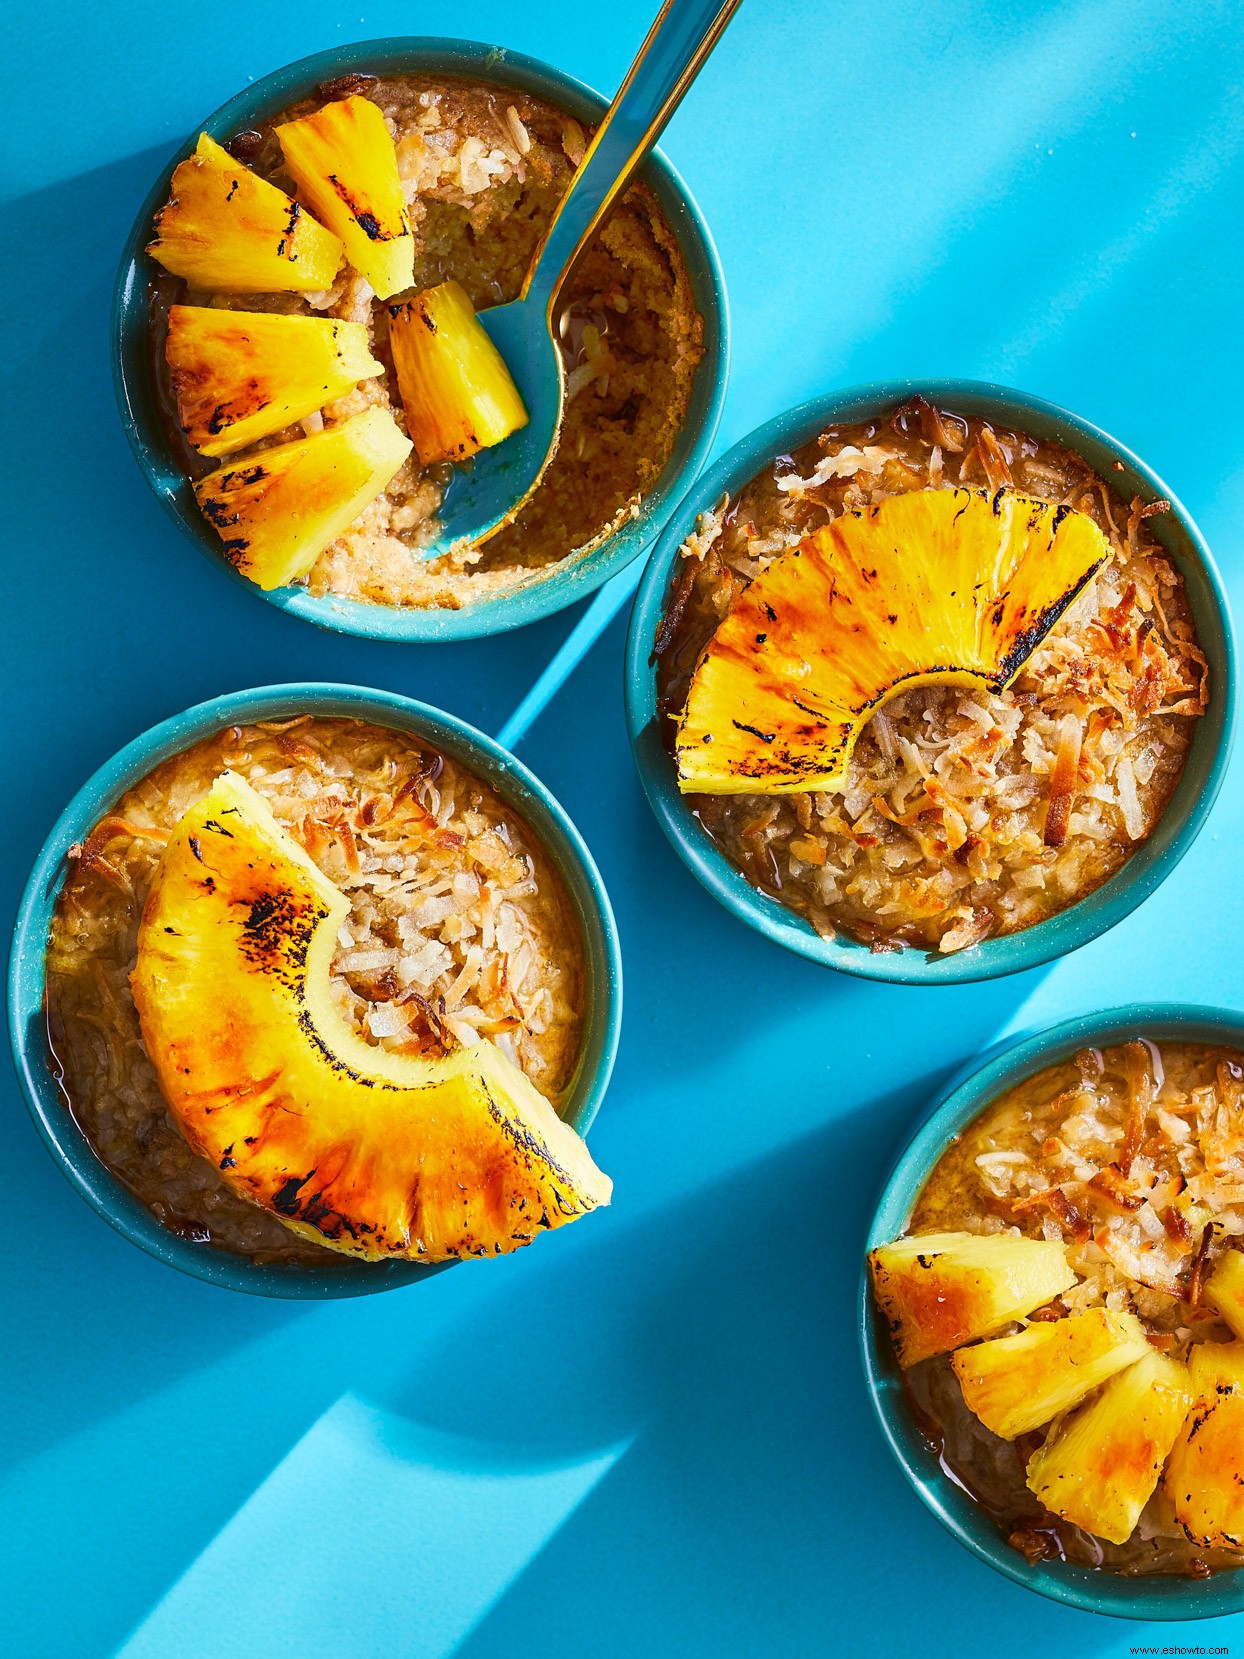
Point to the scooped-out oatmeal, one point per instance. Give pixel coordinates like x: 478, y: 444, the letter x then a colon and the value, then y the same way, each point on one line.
x: 475, y: 172
x: 1045, y: 731
x: 456, y: 932
x: 1068, y: 1305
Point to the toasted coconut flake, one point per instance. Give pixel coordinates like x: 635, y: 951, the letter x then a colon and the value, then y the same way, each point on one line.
x: 993, y: 459
x: 843, y: 463
x: 1133, y: 1157
x: 941, y: 430
x: 1063, y: 781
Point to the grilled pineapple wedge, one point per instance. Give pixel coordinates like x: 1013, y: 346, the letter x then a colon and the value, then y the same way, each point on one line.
x: 242, y: 375
x: 1016, y: 1383
x: 933, y: 587
x: 1101, y: 1467
x: 940, y: 1290
x: 1225, y: 1290
x: 343, y: 160
x: 1205, y: 1473
x: 224, y: 227
x: 372, y: 1153
x: 277, y: 511
x: 458, y: 394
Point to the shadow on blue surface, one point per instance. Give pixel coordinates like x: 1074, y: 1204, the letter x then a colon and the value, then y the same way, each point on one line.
x: 744, y: 1510
x: 702, y: 1205
x: 752, y: 1452
x: 432, y: 1504
x: 696, y: 1327
x: 132, y: 663
x: 959, y: 192
x: 154, y: 627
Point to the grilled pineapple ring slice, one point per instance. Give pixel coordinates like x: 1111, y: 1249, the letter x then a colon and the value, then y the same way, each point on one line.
x: 376, y: 1154
x: 932, y: 587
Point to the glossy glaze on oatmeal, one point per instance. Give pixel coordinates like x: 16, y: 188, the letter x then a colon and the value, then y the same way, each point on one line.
x: 483, y: 168
x: 1133, y: 1158
x: 951, y: 829
x: 459, y: 930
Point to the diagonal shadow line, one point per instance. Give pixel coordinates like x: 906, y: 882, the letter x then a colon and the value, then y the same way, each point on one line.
x: 759, y: 1477
x: 760, y: 1493
x: 612, y: 1382
x: 1201, y: 166
x: 461, y: 1518
x: 605, y: 1382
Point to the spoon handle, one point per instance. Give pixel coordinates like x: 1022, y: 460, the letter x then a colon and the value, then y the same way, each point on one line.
x: 681, y: 38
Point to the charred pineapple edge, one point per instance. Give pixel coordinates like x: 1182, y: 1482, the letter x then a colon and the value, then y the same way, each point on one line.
x: 818, y: 777
x: 301, y: 952
x: 1211, y: 1381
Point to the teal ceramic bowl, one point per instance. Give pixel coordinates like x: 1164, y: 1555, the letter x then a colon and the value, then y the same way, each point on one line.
x: 495, y: 765
x: 134, y: 377
x: 1149, y: 865
x: 967, y: 1096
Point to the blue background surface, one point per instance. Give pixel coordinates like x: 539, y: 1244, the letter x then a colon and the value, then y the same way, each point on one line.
x: 648, y: 1435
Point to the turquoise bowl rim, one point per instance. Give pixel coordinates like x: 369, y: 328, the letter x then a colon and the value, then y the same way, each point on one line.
x: 517, y: 786
x: 530, y: 600
x: 1150, y: 865
x: 980, y: 1082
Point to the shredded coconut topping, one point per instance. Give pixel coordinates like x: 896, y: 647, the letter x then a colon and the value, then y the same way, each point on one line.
x: 964, y: 815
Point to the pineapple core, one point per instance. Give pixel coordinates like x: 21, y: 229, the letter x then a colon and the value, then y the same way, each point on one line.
x: 1225, y: 1291
x: 1205, y: 1474
x: 1101, y: 1467
x: 277, y: 511
x: 940, y: 1290
x: 242, y: 375
x: 458, y: 394
x: 1016, y: 1383
x: 223, y: 227
x: 954, y: 587
x: 343, y: 160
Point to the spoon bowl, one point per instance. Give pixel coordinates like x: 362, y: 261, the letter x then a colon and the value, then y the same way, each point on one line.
x: 491, y: 488
x: 489, y: 493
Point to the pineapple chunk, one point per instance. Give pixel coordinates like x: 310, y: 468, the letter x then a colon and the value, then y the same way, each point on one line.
x: 1205, y: 1474
x: 1101, y: 1467
x: 277, y: 511
x: 940, y: 1290
x: 1225, y: 1290
x: 1016, y: 1383
x: 934, y: 587
x: 456, y: 390
x: 243, y: 375
x: 343, y: 160
x: 224, y: 227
